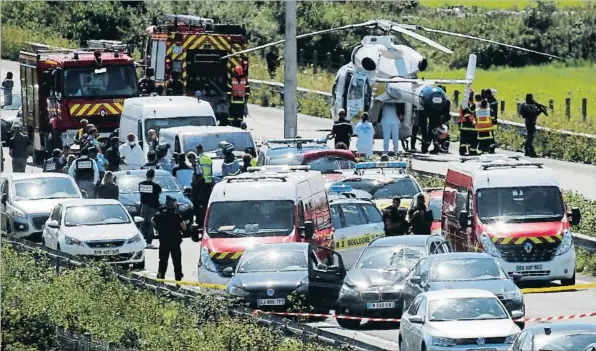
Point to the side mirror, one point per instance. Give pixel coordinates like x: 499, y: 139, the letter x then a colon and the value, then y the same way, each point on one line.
x: 53, y: 224
x: 4, y: 198
x: 85, y: 195
x: 516, y: 276
x: 575, y: 216
x: 416, y: 280
x: 416, y: 320
x: 228, y: 272
x: 309, y: 229
x: 322, y: 267
x: 517, y: 315
x: 463, y: 219
x: 138, y: 219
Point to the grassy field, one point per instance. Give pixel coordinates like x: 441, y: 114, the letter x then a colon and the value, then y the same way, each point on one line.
x: 498, y: 4
x: 545, y: 82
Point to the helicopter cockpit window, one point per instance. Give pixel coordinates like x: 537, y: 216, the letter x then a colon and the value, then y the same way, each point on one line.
x: 356, y: 90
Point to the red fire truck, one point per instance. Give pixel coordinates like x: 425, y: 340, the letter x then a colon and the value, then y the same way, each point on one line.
x: 191, y: 48
x: 60, y: 87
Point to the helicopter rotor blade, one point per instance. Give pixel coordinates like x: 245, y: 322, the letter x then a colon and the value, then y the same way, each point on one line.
x: 306, y: 35
x: 485, y: 40
x: 396, y: 27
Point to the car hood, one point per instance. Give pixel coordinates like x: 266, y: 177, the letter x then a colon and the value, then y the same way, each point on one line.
x: 134, y: 199
x: 101, y: 232
x: 474, y: 329
x: 275, y: 280
x: 373, y: 277
x: 384, y: 203
x: 38, y: 206
x: 517, y: 230
x: 495, y: 286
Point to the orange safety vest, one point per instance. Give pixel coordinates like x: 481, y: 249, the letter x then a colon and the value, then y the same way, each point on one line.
x: 239, y: 88
x: 484, y: 122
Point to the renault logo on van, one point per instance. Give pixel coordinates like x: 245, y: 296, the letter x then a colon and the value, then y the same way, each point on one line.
x: 102, y: 112
x: 528, y: 247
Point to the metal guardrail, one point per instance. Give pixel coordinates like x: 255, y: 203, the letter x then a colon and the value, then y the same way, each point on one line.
x: 518, y: 127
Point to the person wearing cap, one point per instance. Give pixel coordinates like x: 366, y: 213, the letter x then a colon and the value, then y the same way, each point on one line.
x: 206, y: 165
x: 394, y: 218
x: 182, y: 171
x: 112, y: 155
x: 18, y: 149
x: 342, y: 130
x: 55, y: 163
x: 151, y: 161
x: 169, y: 226
x: 85, y: 173
x: 132, y: 153
x: 150, y: 192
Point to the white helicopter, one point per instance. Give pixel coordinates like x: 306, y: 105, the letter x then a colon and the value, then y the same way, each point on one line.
x: 382, y: 72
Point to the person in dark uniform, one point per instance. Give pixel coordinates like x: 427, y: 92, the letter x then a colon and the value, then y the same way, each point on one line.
x: 85, y: 173
x: 147, y: 84
x: 200, y: 197
x: 113, y: 155
x: 342, y: 130
x: 151, y: 161
x: 272, y: 58
x: 394, y: 218
x: 467, y: 127
x: 421, y: 220
x: 175, y: 84
x: 170, y: 226
x: 530, y: 110
x: 56, y: 163
x: 108, y: 189
x: 150, y: 192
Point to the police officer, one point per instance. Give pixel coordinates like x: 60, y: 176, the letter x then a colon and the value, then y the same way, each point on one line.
x: 113, y: 155
x: 151, y: 161
x: 18, y: 149
x: 56, y: 163
x: 85, y: 172
x: 484, y: 126
x: 170, y: 226
x: 467, y: 128
x: 150, y: 192
x: 421, y: 220
x: 206, y: 165
x: 230, y: 165
x: 530, y: 110
x: 394, y: 218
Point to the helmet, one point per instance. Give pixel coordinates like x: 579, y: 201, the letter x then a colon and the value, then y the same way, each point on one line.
x: 238, y: 70
x: 442, y: 132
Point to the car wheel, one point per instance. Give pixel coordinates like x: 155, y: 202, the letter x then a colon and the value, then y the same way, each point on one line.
x: 139, y: 266
x: 423, y: 347
x: 570, y: 281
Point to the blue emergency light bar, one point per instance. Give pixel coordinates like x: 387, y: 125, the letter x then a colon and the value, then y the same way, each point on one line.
x: 339, y: 189
x: 372, y: 165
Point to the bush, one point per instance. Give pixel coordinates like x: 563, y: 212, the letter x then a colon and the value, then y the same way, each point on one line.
x: 35, y: 301
x: 15, y: 39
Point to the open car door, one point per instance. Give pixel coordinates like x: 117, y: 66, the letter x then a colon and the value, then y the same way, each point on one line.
x: 326, y: 273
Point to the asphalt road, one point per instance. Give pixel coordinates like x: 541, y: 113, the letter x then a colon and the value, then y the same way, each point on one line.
x: 268, y: 123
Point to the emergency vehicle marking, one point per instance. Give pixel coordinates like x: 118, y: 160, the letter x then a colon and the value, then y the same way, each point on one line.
x: 110, y: 108
x: 223, y: 255
x: 535, y: 239
x: 357, y: 241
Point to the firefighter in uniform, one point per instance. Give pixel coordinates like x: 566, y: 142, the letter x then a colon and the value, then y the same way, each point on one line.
x: 150, y: 192
x: 85, y: 172
x: 239, y: 93
x: 484, y: 126
x: 170, y: 226
x: 467, y: 123
x: 56, y: 163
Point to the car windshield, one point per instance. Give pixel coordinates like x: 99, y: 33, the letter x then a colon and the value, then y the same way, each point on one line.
x: 158, y: 123
x: 403, y: 187
x: 240, y: 139
x: 106, y: 82
x: 45, y: 188
x: 15, y: 105
x: 435, y: 204
x: 273, y: 261
x: 250, y: 218
x: 469, y: 308
x: 399, y: 258
x: 330, y: 164
x: 95, y: 215
x: 289, y: 156
x: 574, y: 341
x: 520, y: 204
x: 130, y: 183
x: 465, y: 269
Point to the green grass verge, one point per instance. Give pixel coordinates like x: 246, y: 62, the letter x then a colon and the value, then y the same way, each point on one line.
x: 35, y: 301
x: 15, y: 39
x: 498, y: 4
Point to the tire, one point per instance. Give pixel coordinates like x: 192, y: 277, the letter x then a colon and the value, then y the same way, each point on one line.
x: 570, y: 281
x: 402, y: 345
x: 139, y: 266
x: 348, y: 323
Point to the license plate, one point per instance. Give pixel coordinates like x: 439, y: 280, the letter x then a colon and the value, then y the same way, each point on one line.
x: 528, y: 267
x: 380, y: 305
x: 106, y: 252
x: 271, y: 302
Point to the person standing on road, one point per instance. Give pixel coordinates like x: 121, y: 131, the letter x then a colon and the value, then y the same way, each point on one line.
x: 151, y: 161
x: 85, y: 172
x: 394, y: 218
x: 107, y: 189
x: 65, y: 154
x: 153, y: 139
x: 113, y: 155
x: 7, y: 85
x: 342, y: 130
x: 162, y: 157
x: 182, y: 171
x: 170, y: 226
x: 132, y: 153
x: 366, y: 136
x: 421, y: 220
x: 205, y: 165
x: 18, y: 149
x: 82, y: 130
x: 56, y: 163
x: 69, y: 161
x: 390, y: 123
x: 467, y: 128
x: 99, y: 160
x: 150, y: 192
x: 530, y: 110
x: 200, y: 198
x: 485, y: 126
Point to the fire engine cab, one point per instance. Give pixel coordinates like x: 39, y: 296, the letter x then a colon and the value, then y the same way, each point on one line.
x: 512, y: 209
x: 60, y: 87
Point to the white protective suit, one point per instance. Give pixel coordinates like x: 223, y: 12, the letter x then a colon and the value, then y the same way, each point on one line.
x: 366, y: 138
x: 390, y: 124
x: 134, y: 156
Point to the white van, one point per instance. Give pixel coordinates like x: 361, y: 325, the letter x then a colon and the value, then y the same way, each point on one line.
x: 142, y: 114
x: 185, y: 139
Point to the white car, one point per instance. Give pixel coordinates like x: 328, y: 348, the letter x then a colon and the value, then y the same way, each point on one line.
x: 458, y: 319
x: 100, y: 229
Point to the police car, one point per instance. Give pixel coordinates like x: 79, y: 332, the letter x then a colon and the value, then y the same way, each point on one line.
x: 383, y: 181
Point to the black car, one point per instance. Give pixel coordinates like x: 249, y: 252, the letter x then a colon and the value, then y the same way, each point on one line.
x: 559, y: 336
x: 463, y: 270
x: 274, y: 276
x: 128, y: 183
x: 374, y: 287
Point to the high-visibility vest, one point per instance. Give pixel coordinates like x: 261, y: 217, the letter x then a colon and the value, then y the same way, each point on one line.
x: 207, y: 167
x: 239, y: 89
x: 484, y: 122
x: 253, y: 162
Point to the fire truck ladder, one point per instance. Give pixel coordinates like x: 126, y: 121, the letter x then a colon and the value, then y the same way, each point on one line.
x: 189, y: 20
